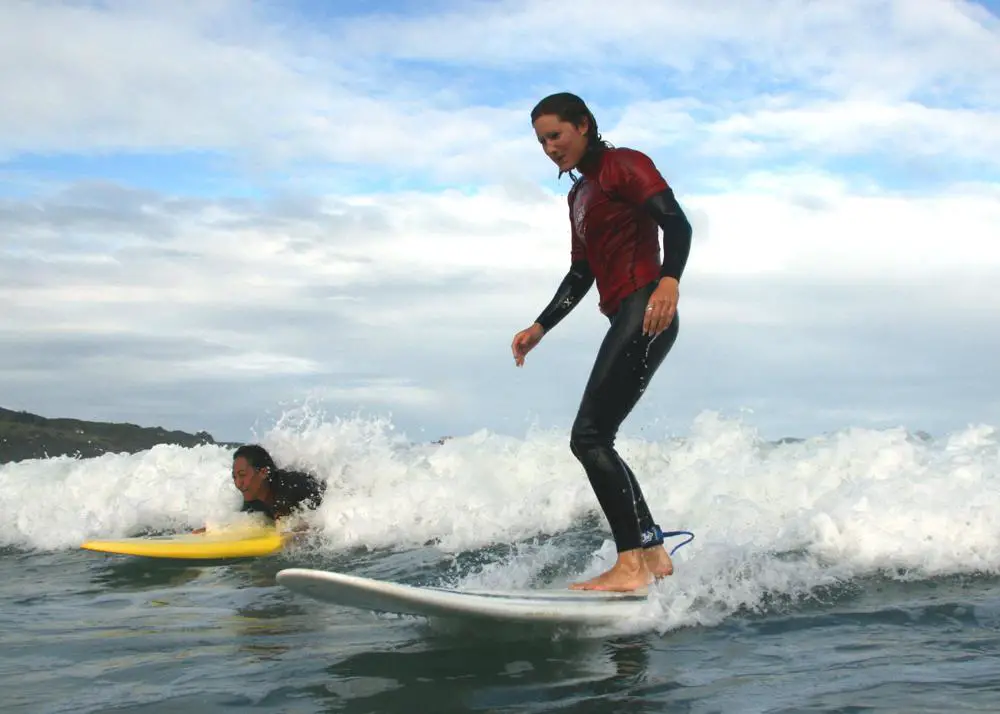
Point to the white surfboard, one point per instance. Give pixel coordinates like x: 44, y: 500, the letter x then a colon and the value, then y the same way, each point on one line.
x: 564, y: 606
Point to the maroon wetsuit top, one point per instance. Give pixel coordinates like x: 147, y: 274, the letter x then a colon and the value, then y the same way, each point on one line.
x: 610, y: 228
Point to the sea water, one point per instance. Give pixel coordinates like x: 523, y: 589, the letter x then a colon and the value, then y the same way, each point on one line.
x: 852, y: 571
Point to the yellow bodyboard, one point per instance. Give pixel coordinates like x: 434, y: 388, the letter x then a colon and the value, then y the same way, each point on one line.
x: 238, y: 542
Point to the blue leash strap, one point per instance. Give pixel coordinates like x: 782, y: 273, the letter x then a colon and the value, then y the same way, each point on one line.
x: 658, y: 536
x: 671, y: 534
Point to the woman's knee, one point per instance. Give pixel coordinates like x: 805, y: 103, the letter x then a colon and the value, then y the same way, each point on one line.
x: 584, y: 435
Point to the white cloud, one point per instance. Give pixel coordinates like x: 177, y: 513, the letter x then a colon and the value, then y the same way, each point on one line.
x: 383, y: 392
x: 858, y: 71
x: 813, y: 225
x: 419, y: 322
x: 187, y: 87
x: 260, y: 364
x: 808, y: 282
x: 866, y: 126
x: 878, y: 47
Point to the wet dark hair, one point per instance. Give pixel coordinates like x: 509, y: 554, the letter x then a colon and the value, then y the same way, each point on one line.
x: 257, y: 456
x: 569, y: 107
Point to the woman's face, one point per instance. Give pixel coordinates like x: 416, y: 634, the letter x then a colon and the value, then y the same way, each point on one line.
x: 248, y: 480
x: 562, y: 142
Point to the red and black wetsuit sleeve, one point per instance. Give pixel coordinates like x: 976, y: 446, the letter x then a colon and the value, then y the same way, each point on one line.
x: 574, y: 285
x: 637, y: 180
x: 665, y: 210
x: 569, y: 293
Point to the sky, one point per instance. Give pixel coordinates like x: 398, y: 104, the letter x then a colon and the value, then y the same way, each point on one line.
x: 213, y: 212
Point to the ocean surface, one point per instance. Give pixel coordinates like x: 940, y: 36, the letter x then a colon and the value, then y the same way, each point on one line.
x: 856, y: 571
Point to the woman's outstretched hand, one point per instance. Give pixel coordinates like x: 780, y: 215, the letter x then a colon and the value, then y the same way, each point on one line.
x: 524, y: 341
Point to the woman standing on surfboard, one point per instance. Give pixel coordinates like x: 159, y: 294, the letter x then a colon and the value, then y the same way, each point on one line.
x: 616, y: 207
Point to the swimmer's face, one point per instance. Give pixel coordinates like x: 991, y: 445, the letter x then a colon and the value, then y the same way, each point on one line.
x: 561, y: 141
x: 248, y: 480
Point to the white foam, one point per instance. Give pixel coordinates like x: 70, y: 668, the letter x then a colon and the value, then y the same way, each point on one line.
x: 57, y: 503
x: 845, y: 505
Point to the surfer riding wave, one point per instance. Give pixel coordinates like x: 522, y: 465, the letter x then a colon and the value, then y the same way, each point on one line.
x: 616, y: 208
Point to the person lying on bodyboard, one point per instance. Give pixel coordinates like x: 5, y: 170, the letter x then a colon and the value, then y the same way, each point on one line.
x: 275, y: 493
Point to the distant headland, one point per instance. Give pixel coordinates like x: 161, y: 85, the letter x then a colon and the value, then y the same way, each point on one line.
x: 29, y: 436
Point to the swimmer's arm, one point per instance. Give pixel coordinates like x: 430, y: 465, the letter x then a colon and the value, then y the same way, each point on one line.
x: 306, y: 492
x: 667, y: 213
x: 204, y: 529
x: 571, y: 290
x: 293, y: 533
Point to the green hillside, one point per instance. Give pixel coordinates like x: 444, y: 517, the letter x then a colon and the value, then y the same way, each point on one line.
x: 29, y: 436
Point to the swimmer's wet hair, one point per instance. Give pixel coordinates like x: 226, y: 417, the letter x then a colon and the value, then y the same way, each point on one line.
x: 569, y: 107
x: 257, y: 456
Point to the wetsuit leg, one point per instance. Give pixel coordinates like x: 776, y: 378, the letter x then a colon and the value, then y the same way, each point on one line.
x: 625, y: 363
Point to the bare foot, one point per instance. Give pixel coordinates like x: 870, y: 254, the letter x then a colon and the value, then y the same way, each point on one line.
x: 628, y: 573
x: 658, y: 561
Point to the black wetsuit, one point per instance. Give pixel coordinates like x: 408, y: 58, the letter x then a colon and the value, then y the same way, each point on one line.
x: 291, y: 490
x: 624, y: 202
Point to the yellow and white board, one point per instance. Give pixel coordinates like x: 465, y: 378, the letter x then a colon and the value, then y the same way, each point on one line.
x: 233, y: 542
